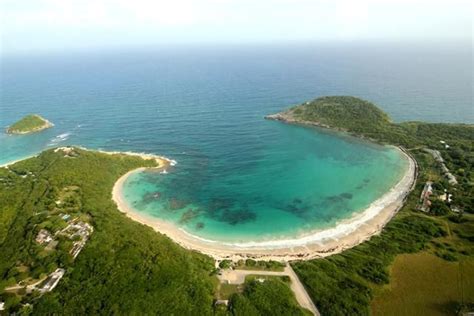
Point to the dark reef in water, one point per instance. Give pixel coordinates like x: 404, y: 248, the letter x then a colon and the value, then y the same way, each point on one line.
x: 298, y: 208
x: 150, y: 197
x: 225, y: 210
x: 339, y: 198
x: 199, y: 225
x: 217, y: 204
x: 346, y: 195
x: 176, y: 204
x: 234, y: 217
x: 297, y: 201
x: 188, y: 216
x: 307, y: 211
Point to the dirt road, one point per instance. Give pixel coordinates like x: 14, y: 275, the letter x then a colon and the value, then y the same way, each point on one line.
x: 238, y: 277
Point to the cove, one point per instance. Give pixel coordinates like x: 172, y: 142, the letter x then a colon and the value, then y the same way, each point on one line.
x: 278, y: 182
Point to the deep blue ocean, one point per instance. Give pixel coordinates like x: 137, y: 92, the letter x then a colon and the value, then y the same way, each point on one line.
x: 204, y: 107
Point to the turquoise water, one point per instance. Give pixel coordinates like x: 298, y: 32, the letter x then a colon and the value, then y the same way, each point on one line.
x: 296, y: 181
x: 204, y: 107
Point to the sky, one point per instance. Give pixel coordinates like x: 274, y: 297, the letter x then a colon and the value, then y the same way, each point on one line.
x: 63, y: 25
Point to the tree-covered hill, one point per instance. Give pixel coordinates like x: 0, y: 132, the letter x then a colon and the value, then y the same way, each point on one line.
x: 342, y: 112
x: 29, y: 124
x: 364, y: 119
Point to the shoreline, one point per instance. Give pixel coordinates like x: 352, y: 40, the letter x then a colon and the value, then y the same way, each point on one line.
x: 287, y: 117
x: 9, y: 163
x: 160, y: 160
x: 346, y: 234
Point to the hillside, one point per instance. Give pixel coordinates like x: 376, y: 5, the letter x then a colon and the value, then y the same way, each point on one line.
x: 364, y: 119
x: 347, y: 113
x: 29, y: 124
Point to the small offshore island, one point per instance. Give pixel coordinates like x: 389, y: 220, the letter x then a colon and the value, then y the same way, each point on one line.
x: 66, y: 248
x: 31, y: 123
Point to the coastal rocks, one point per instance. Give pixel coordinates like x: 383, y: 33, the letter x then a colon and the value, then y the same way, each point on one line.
x: 291, y: 117
x: 282, y: 116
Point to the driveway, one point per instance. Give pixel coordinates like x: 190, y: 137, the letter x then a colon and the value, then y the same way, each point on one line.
x: 238, y: 277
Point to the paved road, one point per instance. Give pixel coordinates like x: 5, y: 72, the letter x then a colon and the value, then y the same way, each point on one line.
x: 238, y: 277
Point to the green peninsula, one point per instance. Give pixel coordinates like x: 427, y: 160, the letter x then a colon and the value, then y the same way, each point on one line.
x: 430, y: 240
x: 362, y: 118
x: 31, y: 123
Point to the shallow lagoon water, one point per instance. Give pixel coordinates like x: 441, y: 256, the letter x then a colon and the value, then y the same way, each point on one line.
x: 243, y: 176
x: 293, y: 181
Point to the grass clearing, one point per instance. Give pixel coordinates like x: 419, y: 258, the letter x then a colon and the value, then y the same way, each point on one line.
x: 423, y: 284
x: 264, y: 278
x: 227, y: 290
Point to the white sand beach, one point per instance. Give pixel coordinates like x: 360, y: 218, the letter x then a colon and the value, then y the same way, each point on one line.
x: 9, y: 163
x: 346, y: 234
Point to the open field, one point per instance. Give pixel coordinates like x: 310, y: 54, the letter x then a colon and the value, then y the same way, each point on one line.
x: 423, y: 284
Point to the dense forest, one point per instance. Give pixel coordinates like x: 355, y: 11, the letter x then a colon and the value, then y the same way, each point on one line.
x: 272, y: 297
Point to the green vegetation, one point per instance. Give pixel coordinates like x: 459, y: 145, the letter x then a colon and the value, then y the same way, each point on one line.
x: 29, y: 124
x: 364, y: 119
x: 259, y: 295
x: 431, y: 286
x: 271, y: 297
x: 340, y: 284
x: 261, y: 278
x: 125, y: 267
x: 347, y: 113
x: 250, y: 264
x: 227, y: 290
x: 270, y: 265
x: 225, y: 264
x: 345, y: 284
